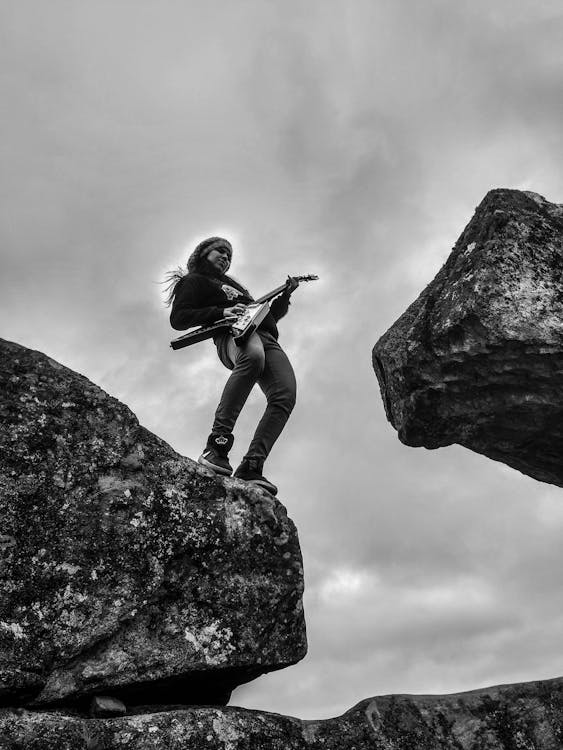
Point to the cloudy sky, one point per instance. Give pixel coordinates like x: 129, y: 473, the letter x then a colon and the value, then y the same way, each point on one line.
x: 348, y: 138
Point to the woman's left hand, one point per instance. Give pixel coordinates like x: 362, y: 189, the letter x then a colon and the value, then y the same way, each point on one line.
x: 291, y: 284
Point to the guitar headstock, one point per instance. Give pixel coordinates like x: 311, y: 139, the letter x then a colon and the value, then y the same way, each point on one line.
x: 308, y: 277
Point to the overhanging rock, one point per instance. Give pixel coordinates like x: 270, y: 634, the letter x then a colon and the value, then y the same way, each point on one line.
x: 124, y: 567
x: 477, y: 359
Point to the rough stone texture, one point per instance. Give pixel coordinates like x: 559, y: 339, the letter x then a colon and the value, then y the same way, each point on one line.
x: 513, y: 717
x: 477, y: 359
x: 104, y: 706
x: 125, y: 568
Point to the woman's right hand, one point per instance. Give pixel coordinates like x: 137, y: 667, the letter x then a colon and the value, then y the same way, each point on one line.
x: 233, y: 313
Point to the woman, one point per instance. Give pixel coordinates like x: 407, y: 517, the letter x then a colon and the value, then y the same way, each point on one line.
x: 204, y: 295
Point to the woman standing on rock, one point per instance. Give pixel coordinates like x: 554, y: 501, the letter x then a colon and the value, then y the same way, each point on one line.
x: 205, y: 295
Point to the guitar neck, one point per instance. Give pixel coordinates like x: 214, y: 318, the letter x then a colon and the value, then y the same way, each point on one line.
x: 280, y: 289
x: 271, y: 295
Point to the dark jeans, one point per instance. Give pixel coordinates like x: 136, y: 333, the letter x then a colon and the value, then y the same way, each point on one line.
x: 260, y: 360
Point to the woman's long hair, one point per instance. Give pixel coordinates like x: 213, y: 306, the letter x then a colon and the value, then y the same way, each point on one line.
x: 172, y: 280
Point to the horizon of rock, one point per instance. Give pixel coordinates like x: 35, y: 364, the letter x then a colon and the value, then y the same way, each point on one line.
x: 505, y: 717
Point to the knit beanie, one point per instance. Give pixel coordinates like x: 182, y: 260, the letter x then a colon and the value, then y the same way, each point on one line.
x: 205, y: 247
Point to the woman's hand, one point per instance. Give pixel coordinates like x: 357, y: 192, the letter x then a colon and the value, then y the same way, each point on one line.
x: 291, y: 285
x: 233, y: 313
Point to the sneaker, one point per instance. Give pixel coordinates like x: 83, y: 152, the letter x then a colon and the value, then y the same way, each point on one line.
x: 250, y: 470
x: 216, y: 452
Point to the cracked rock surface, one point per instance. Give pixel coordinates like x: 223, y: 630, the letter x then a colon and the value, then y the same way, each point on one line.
x: 125, y: 568
x: 512, y: 717
x: 477, y: 359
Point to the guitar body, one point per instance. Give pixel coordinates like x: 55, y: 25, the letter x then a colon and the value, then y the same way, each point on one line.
x: 200, y: 334
x: 243, y: 328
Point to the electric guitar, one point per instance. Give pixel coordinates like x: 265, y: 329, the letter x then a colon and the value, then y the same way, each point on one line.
x: 243, y: 327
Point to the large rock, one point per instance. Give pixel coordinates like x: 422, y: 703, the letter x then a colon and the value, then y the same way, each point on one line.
x: 477, y: 359
x: 512, y: 717
x: 124, y: 567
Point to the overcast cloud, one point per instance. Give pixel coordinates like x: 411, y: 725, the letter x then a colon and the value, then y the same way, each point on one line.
x: 348, y: 139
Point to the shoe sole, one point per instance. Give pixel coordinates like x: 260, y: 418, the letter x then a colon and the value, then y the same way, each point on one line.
x: 217, y: 469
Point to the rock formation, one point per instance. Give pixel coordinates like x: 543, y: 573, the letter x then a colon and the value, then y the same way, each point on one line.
x: 512, y: 717
x: 125, y: 568
x: 477, y: 359
x: 137, y: 587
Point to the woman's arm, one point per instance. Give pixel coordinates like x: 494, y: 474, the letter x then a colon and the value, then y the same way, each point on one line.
x: 189, y: 308
x: 280, y: 305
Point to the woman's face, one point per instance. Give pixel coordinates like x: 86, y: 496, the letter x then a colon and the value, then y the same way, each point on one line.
x: 219, y: 259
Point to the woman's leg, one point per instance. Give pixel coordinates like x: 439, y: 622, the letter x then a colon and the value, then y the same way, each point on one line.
x: 277, y: 381
x: 248, y: 366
